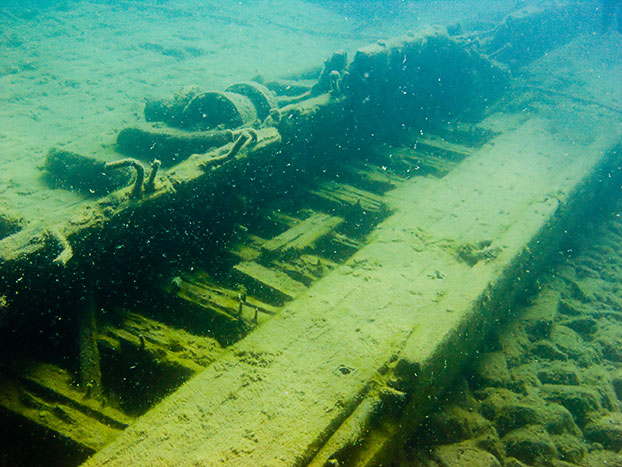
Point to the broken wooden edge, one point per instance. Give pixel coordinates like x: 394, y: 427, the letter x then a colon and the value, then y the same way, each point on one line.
x: 66, y: 252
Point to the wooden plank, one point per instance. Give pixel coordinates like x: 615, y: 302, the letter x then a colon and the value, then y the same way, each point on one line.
x: 170, y: 346
x: 281, y: 217
x: 306, y: 268
x: 372, y: 178
x: 46, y: 395
x: 342, y: 195
x: 223, y: 306
x: 58, y: 418
x: 303, y: 235
x: 427, y: 164
x: 437, y: 146
x: 385, y: 314
x: 346, y: 242
x: 277, y: 282
x: 468, y: 134
x: 206, y: 282
x: 248, y: 248
x: 421, y: 160
x: 228, y: 303
x: 52, y: 382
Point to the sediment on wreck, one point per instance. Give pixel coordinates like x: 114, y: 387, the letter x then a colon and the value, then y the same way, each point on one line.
x: 359, y: 341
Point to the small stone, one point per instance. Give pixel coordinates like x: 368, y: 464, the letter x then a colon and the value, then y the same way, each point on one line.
x: 609, y: 340
x: 602, y: 458
x: 579, y: 400
x: 524, y: 377
x: 531, y: 444
x: 616, y: 381
x: 569, y: 447
x: 418, y: 457
x: 464, y: 453
x: 566, y: 307
x: 548, y: 351
x: 492, y: 443
x: 561, y: 463
x: 513, y: 462
x: 539, y: 319
x: 571, y: 344
x: 513, y: 342
x: 612, y: 349
x: 558, y: 373
x: 577, y: 291
x: 565, y: 338
x: 494, y: 399
x: 585, y: 327
x: 512, y: 416
x: 444, y: 427
x: 452, y: 425
x: 599, y: 377
x: 492, y: 370
x: 606, y: 430
x: 558, y: 420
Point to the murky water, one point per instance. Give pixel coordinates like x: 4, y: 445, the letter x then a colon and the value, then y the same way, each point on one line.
x: 277, y: 201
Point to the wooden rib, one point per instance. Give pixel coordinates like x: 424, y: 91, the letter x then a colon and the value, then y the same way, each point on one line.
x: 342, y: 195
x: 303, y: 235
x: 280, y: 286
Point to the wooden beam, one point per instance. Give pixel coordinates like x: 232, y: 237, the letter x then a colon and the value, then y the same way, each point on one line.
x: 341, y: 196
x: 45, y: 398
x: 169, y: 346
x: 273, y: 283
x: 436, y: 146
x: 306, y: 268
x: 229, y: 304
x: 301, y: 236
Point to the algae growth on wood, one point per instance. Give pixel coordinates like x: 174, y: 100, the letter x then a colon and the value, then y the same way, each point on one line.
x: 293, y: 270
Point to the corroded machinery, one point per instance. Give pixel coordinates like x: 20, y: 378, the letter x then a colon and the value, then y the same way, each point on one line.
x: 216, y: 228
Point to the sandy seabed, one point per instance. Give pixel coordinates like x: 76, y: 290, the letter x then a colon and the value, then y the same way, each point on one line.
x: 74, y: 73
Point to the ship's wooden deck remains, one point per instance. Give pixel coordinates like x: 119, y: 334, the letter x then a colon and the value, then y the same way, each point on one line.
x: 331, y: 269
